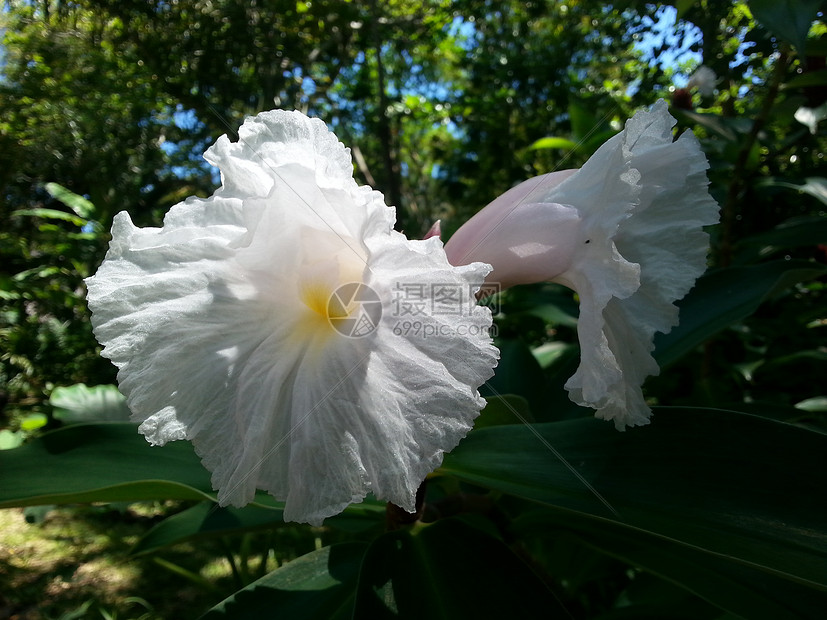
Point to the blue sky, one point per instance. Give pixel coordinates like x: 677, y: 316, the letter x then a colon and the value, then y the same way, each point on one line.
x: 663, y: 31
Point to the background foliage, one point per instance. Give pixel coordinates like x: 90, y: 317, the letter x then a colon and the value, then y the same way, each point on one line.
x: 714, y: 511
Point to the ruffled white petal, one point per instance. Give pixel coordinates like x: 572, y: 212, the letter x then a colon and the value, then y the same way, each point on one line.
x: 625, y: 232
x: 645, y: 213
x: 219, y: 325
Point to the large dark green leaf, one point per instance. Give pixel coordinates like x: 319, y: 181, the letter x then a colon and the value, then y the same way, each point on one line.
x: 506, y: 409
x: 319, y: 585
x: 790, y: 20
x: 724, y: 297
x: 735, y: 485
x: 99, y: 463
x: 794, y: 233
x: 447, y: 570
x: 737, y: 587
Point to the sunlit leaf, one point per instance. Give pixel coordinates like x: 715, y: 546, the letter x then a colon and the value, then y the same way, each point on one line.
x: 554, y: 143
x: 33, y: 422
x: 10, y: 439
x: 77, y: 203
x: 51, y: 214
x: 80, y: 403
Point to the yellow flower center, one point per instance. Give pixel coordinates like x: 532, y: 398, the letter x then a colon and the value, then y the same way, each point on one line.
x: 317, y: 297
x: 328, y: 262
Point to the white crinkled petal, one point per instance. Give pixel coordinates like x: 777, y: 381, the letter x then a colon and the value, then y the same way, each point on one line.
x: 270, y: 140
x: 218, y: 323
x: 652, y: 203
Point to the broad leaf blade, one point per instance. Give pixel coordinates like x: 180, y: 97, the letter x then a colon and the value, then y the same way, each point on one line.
x: 204, y: 520
x: 730, y: 484
x: 319, y: 585
x: 736, y: 587
x: 789, y: 20
x: 99, y: 463
x: 724, y: 297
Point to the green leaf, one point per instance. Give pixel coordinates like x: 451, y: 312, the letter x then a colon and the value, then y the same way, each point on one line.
x: 445, y: 570
x: 517, y: 373
x: 683, y: 6
x: 99, y: 463
x: 79, y: 403
x: 725, y: 296
x: 817, y: 403
x: 51, y: 214
x: 737, y: 486
x: 730, y: 129
x: 789, y: 20
x: 552, y: 303
x: 77, y: 203
x: 550, y: 352
x: 736, y: 587
x: 36, y: 272
x: 804, y: 80
x: 583, y: 121
x: 793, y: 233
x: 553, y: 143
x: 207, y: 519
x: 33, y: 422
x: 10, y: 439
x: 204, y: 520
x: 318, y: 585
x: 507, y: 409
x: 814, y: 186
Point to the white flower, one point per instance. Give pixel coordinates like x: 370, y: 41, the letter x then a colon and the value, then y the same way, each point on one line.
x: 226, y: 330
x: 811, y: 117
x: 625, y: 232
x: 704, y: 80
